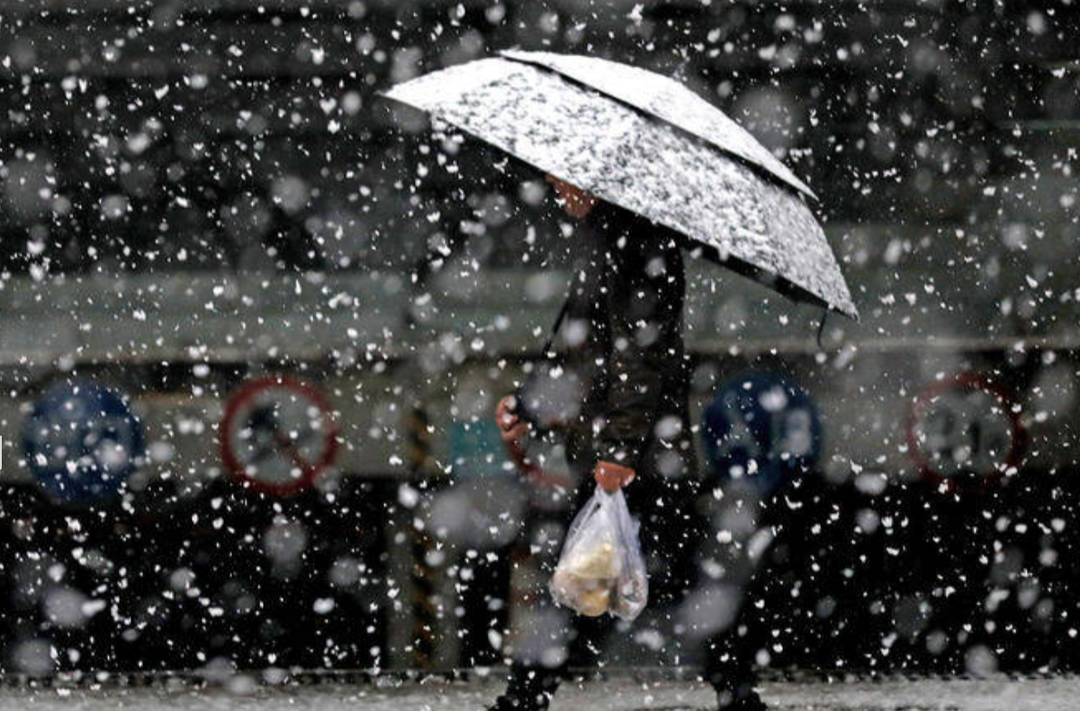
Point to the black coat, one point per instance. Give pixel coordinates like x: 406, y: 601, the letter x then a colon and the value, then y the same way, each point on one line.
x: 622, y: 339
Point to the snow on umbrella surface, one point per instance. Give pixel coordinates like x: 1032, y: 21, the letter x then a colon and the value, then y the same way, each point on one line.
x: 650, y: 145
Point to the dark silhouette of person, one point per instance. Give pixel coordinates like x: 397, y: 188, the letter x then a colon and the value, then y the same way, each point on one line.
x: 620, y: 338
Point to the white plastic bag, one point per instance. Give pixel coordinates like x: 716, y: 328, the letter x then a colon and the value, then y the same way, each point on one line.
x: 601, y: 568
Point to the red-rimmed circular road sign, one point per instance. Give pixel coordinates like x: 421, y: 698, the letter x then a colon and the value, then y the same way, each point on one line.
x: 964, y: 432
x: 278, y: 435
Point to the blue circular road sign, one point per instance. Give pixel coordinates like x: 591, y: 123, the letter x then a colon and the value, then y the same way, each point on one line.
x: 762, y: 429
x: 82, y: 442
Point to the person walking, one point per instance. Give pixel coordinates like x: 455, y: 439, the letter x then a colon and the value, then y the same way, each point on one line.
x: 621, y: 338
x: 671, y: 169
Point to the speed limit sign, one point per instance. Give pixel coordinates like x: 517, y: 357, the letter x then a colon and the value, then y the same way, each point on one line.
x: 964, y: 432
x: 278, y: 435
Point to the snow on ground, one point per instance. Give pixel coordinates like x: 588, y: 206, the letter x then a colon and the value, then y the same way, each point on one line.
x: 241, y: 694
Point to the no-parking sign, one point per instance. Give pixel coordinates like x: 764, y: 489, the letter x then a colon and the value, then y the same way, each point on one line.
x: 278, y: 435
x: 762, y: 429
x: 964, y: 432
x: 82, y: 442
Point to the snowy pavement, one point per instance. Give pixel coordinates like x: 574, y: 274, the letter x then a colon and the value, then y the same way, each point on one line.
x: 242, y: 694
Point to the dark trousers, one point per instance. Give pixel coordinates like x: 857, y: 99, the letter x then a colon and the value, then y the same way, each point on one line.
x: 673, y: 530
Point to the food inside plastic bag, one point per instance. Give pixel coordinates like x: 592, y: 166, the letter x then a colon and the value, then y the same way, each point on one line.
x: 601, y: 568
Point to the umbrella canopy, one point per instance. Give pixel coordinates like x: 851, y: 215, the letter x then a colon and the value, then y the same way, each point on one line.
x: 650, y: 145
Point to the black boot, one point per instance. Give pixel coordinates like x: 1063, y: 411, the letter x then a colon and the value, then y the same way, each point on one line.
x: 729, y: 668
x: 739, y: 698
x: 530, y: 689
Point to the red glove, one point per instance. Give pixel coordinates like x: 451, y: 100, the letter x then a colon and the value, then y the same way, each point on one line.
x: 611, y: 476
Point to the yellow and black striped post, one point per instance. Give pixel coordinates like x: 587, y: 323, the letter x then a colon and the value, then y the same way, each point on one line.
x: 424, y: 610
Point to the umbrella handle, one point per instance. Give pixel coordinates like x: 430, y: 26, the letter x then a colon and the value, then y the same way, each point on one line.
x: 821, y: 329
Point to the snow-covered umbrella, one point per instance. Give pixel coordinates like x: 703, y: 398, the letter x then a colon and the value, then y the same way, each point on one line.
x: 650, y: 145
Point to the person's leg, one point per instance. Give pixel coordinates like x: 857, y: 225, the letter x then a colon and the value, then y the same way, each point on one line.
x: 548, y: 639
x: 533, y: 684
x: 587, y: 640
x: 729, y: 668
x: 731, y: 651
x: 539, y: 630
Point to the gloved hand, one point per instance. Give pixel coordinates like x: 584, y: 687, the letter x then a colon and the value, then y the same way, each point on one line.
x: 611, y: 476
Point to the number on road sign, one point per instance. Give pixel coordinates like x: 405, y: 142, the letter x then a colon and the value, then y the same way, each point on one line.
x: 964, y: 431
